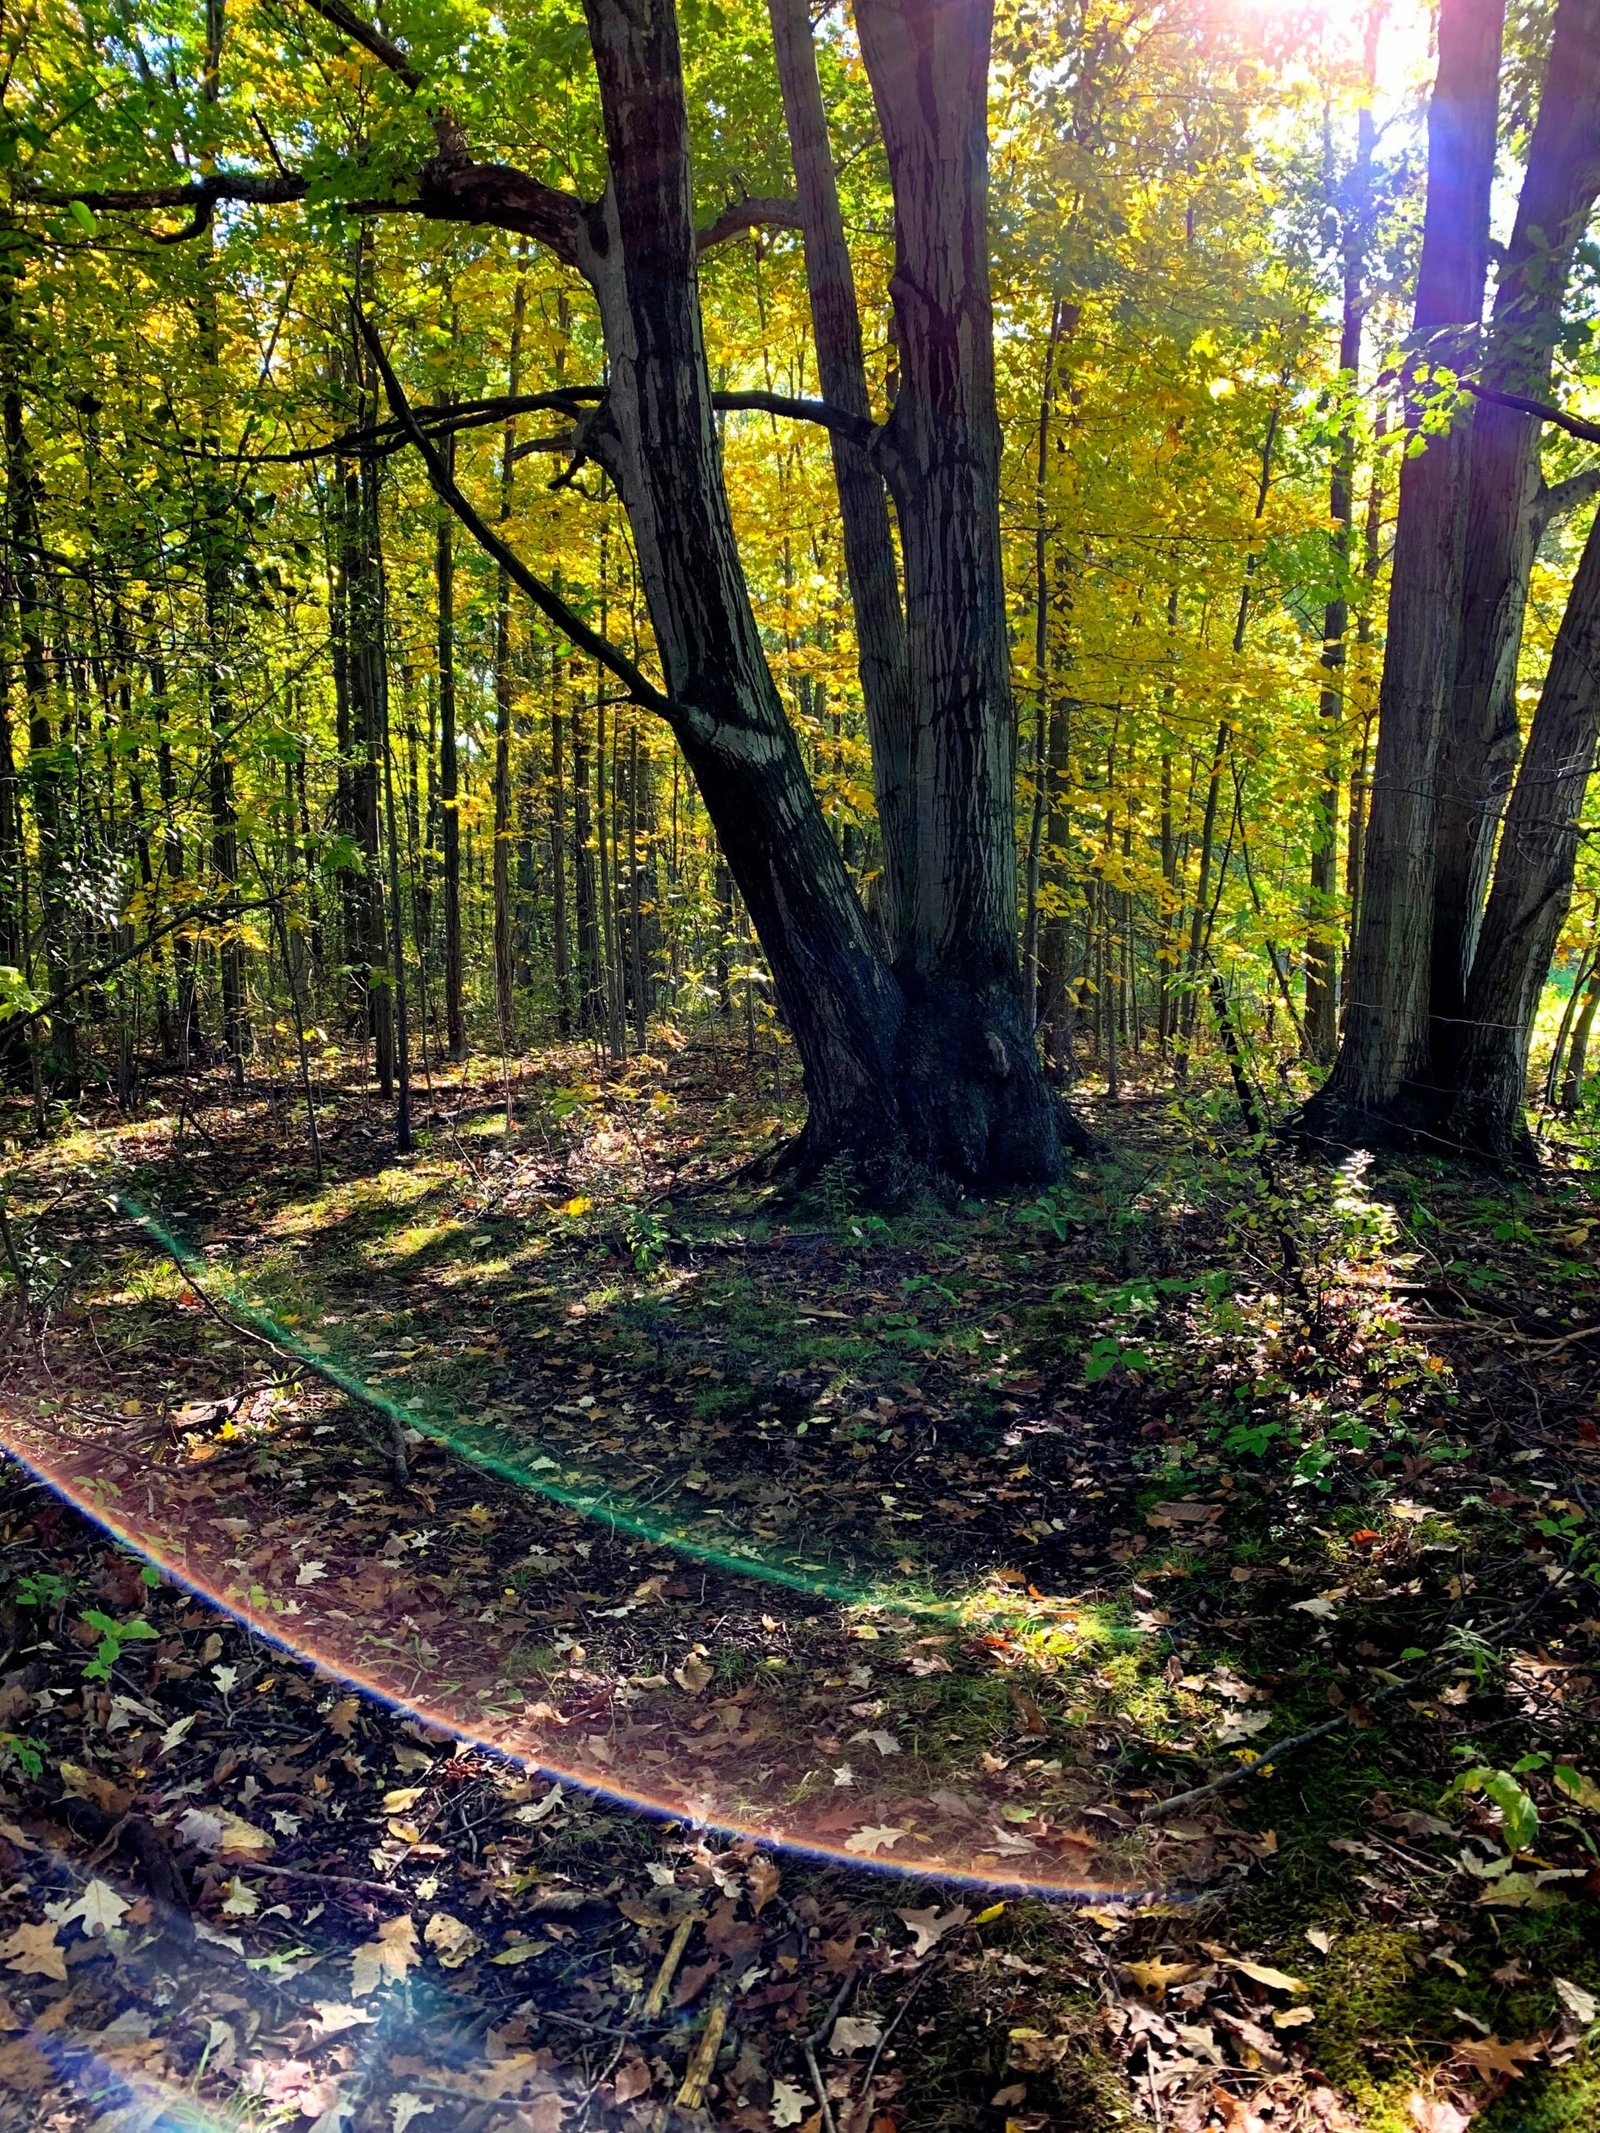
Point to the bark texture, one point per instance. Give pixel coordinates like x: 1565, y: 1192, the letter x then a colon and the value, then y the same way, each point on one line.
x: 869, y: 556
x: 1532, y: 878
x: 1504, y: 517
x: 1383, y: 1075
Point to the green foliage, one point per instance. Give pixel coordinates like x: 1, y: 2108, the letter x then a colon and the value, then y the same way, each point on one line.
x: 113, y: 1636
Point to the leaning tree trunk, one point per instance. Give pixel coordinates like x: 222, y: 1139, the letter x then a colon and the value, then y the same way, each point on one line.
x: 1382, y: 1077
x: 1480, y: 738
x: 1532, y: 879
x: 974, y: 1091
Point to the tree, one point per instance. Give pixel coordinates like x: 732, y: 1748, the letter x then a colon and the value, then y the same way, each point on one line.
x: 1383, y: 1075
x: 928, y: 1066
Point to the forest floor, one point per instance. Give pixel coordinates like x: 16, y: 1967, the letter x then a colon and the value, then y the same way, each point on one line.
x: 542, y: 1633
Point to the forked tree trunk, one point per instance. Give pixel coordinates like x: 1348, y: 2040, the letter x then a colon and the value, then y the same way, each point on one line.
x: 1532, y: 879
x: 1480, y: 740
x: 1382, y: 1077
x: 974, y: 1096
x: 835, y: 991
x: 869, y: 557
x: 935, y: 1071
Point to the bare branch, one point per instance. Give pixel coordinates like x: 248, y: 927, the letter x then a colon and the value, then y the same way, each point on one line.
x: 371, y: 41
x: 747, y: 215
x: 1558, y: 499
x: 550, y: 604
x: 859, y: 430
x: 1541, y: 410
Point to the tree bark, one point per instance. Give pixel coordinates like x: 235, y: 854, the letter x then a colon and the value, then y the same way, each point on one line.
x: 1322, y: 955
x: 869, y: 555
x: 1383, y: 1075
x: 1532, y: 880
x: 504, y: 973
x: 973, y: 1082
x: 1480, y: 739
x: 455, y: 1031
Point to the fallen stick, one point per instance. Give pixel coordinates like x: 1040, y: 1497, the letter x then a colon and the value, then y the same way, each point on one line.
x: 692, y: 2094
x: 1158, y: 1810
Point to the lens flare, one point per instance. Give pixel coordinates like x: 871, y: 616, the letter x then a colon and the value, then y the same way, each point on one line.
x: 802, y: 1766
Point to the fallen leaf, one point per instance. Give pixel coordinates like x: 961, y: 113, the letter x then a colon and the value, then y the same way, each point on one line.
x: 450, y: 1939
x: 1156, y: 1975
x: 874, y: 1838
x: 99, y: 1908
x: 1319, y: 1938
x: 386, y: 1959
x: 854, y: 2033
x: 1264, y: 1974
x: 33, y: 1951
x: 929, y: 1927
x: 693, y: 1676
x: 762, y: 1879
x: 330, y: 2018
x: 1292, y: 2017
x: 404, y: 2107
x: 1494, y: 2061
x: 788, y: 2104
x: 1436, y: 2114
x: 1577, y: 2002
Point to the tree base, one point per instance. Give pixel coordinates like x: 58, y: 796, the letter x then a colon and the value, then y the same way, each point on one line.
x: 967, y: 1107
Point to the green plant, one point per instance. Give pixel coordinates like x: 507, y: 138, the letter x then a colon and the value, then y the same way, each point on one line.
x: 1519, y: 1817
x: 23, y: 1750
x: 42, y: 1588
x: 646, y: 1237
x: 113, y: 1636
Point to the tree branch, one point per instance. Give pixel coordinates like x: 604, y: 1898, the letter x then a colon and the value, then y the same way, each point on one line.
x: 1557, y: 499
x: 550, y: 604
x: 747, y: 215
x: 1541, y: 410
x: 371, y: 41
x: 860, y: 430
x: 199, y: 195
x: 381, y: 439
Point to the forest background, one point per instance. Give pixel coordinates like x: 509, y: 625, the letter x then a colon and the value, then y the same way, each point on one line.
x: 282, y: 749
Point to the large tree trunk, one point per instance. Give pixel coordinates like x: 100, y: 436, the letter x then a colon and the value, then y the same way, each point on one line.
x: 835, y: 991
x: 1382, y: 1077
x: 1480, y: 739
x: 1532, y: 878
x: 974, y: 1087
x: 863, y: 506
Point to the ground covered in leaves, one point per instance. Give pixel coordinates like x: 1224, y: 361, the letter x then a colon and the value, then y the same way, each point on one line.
x: 542, y: 1634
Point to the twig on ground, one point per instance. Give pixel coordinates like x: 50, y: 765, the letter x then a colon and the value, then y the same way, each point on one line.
x: 656, y: 1998
x: 882, y: 2044
x: 1158, y: 1810
x: 692, y: 2094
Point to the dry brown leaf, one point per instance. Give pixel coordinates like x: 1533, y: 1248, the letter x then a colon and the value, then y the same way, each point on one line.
x: 929, y: 1927
x: 1493, y: 2061
x: 34, y: 1951
x: 385, y: 1959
